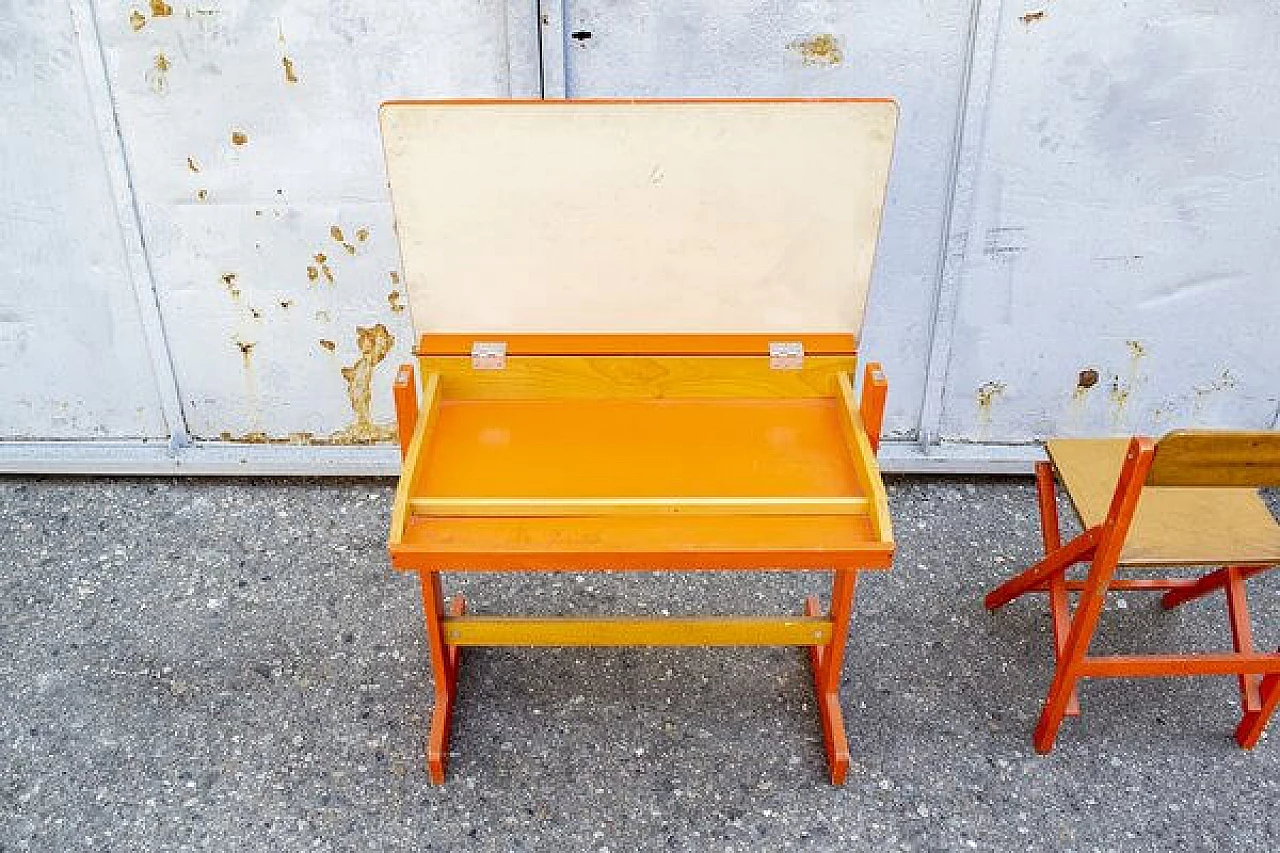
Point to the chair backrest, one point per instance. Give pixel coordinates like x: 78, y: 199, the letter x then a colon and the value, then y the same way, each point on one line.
x: 1217, y: 458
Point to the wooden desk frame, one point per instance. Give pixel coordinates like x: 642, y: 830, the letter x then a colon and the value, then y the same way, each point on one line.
x: 450, y: 376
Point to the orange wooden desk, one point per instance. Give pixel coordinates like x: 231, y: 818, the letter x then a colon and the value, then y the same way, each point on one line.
x: 548, y: 451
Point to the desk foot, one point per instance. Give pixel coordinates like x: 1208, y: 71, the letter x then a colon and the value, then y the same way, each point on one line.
x: 833, y: 736
x: 442, y: 714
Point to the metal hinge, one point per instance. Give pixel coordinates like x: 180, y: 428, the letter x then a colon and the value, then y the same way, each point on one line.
x: 786, y: 355
x: 489, y: 355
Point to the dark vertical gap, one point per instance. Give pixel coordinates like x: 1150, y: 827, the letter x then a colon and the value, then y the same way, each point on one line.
x: 542, y: 53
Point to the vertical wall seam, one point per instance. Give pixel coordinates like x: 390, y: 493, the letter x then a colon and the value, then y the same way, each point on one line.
x: 93, y: 63
x: 552, y: 56
x: 962, y: 177
x: 523, y: 39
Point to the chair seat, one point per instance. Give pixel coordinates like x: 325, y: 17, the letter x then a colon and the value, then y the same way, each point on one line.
x: 1172, y: 526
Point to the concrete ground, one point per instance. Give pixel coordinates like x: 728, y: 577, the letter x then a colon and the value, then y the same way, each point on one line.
x: 232, y: 665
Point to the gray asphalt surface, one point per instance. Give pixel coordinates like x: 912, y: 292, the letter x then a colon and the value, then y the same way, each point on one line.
x: 232, y: 665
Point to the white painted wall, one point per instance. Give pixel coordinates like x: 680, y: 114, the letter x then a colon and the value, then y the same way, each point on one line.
x: 1128, y: 224
x: 73, y: 356
x: 1065, y: 183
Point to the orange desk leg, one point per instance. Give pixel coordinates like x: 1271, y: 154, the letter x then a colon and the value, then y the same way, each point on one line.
x: 444, y: 670
x: 406, y: 399
x: 1059, y: 601
x: 826, y: 662
x: 875, y: 388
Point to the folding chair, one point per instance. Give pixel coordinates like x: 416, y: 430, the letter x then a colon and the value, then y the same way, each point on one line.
x: 1189, y: 499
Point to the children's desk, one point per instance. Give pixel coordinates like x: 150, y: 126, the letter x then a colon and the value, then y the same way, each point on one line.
x: 638, y: 332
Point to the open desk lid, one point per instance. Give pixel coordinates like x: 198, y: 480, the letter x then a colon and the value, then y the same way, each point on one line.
x: 638, y: 216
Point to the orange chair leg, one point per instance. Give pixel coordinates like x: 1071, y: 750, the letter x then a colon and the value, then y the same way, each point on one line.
x: 1078, y: 549
x: 826, y: 662
x: 1253, y: 722
x: 1211, y: 582
x: 1059, y: 600
x: 444, y: 668
x: 1242, y: 637
x: 1070, y: 663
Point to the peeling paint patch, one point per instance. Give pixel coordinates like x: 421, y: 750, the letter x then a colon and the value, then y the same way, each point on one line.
x: 394, y: 299
x: 289, y: 75
x: 374, y: 342
x: 245, y: 347
x: 988, y: 392
x: 260, y: 437
x: 239, y: 137
x: 1031, y: 17
x: 986, y: 398
x: 137, y: 20
x: 823, y: 49
x: 1119, y: 398
x: 158, y: 75
x: 229, y: 281
x: 160, y: 9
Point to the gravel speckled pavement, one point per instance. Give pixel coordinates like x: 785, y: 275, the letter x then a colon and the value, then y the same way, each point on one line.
x: 232, y: 665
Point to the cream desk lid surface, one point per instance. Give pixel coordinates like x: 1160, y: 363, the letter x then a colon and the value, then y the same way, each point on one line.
x: 638, y: 216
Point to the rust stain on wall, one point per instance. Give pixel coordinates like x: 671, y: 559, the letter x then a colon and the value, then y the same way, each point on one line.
x: 374, y: 342
x: 823, y: 49
x: 239, y: 137
x: 289, y: 75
